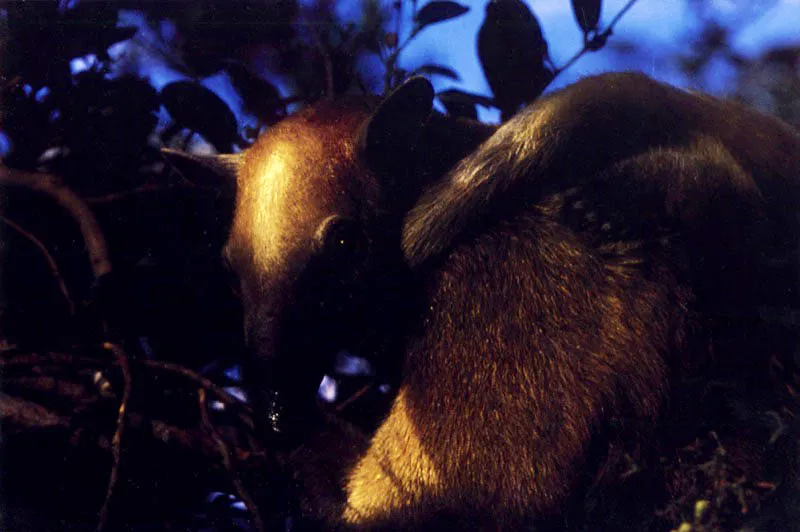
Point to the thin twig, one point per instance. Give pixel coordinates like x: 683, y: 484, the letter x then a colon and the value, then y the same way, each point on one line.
x: 116, y: 442
x: 79, y: 210
x: 391, y: 61
x: 51, y: 263
x: 16, y: 80
x: 605, y: 34
x: 15, y: 412
x: 146, y: 189
x: 223, y: 396
x: 36, y: 359
x: 326, y: 58
x: 398, y: 16
x: 353, y: 398
x: 227, y: 461
x: 46, y: 384
x: 619, y: 15
x: 18, y: 415
x: 242, y: 409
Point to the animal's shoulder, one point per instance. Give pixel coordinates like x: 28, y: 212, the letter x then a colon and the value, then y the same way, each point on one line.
x: 621, y: 144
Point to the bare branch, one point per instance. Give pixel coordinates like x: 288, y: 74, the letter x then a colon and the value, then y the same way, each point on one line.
x: 592, y: 44
x: 116, y: 443
x: 145, y: 189
x: 77, y: 208
x: 326, y: 58
x: 15, y: 412
x: 243, y: 410
x: 51, y: 263
x: 228, y: 463
x: 355, y: 397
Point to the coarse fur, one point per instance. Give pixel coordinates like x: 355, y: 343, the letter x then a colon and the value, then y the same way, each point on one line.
x: 545, y: 326
x: 543, y: 295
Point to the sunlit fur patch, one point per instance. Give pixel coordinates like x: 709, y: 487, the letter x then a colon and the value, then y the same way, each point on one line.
x: 523, y: 143
x: 395, y: 471
x: 276, y: 216
x: 531, y: 132
x: 297, y: 174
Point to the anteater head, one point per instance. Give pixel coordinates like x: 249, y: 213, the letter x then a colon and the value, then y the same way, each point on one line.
x: 315, y: 238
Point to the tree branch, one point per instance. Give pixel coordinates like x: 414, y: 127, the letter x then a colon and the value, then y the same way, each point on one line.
x: 77, y: 208
x: 51, y: 263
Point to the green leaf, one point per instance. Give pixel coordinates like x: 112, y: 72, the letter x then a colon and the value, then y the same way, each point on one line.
x: 438, y: 11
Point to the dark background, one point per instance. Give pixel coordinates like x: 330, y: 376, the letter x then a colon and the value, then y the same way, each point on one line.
x: 90, y: 91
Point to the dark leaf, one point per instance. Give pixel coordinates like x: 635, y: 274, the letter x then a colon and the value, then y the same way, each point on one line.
x: 458, y: 103
x: 260, y: 96
x: 213, y: 31
x: 437, y: 70
x: 92, y: 28
x: 438, y: 11
x: 27, y: 123
x: 200, y: 110
x: 41, y: 38
x: 371, y: 32
x: 587, y: 13
x: 105, y: 125
x: 787, y: 56
x: 476, y: 99
x: 513, y: 52
x: 116, y: 35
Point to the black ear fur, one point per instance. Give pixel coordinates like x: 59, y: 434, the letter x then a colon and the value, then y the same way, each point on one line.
x: 390, y: 137
x: 205, y: 169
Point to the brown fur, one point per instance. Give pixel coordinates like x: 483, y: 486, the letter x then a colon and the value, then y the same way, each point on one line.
x: 611, y: 238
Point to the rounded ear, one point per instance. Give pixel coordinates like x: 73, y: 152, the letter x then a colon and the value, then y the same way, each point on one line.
x: 207, y: 169
x: 391, y: 134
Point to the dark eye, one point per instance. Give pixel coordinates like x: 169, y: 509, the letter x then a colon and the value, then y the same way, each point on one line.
x: 342, y: 241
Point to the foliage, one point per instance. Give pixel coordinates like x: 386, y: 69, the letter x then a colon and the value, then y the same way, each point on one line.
x: 109, y: 398
x: 769, y: 83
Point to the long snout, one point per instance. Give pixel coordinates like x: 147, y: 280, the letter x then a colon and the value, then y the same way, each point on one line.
x: 280, y: 376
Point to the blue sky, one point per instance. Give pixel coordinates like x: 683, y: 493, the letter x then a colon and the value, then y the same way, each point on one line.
x: 661, y: 28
